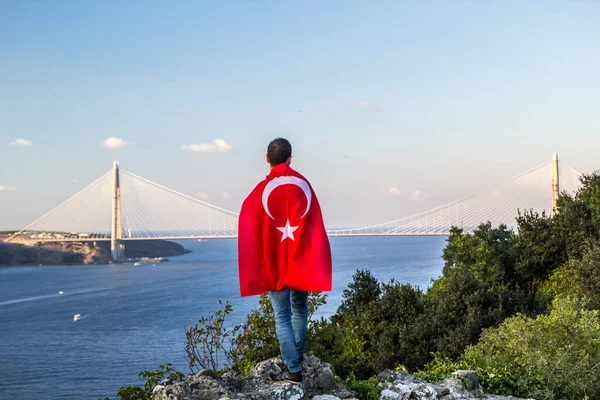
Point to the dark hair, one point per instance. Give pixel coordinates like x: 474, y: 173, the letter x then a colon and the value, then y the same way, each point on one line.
x: 279, y: 151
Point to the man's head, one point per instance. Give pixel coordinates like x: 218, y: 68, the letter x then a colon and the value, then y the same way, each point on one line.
x: 279, y: 152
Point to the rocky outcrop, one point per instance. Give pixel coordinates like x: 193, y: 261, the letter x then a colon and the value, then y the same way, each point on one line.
x: 45, y: 254
x: 462, y: 385
x: 83, y: 252
x: 318, y: 384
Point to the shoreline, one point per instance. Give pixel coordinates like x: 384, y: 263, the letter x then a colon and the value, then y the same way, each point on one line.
x: 85, y: 253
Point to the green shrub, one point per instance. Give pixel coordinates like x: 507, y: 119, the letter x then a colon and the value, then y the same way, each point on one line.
x: 256, y: 340
x: 244, y: 345
x: 373, y: 329
x: 365, y: 389
x: 550, y: 357
x: 492, y: 379
x: 207, y: 340
x: 152, y: 379
x: 578, y: 277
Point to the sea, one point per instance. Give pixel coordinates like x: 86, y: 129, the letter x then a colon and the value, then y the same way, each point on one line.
x: 133, y: 318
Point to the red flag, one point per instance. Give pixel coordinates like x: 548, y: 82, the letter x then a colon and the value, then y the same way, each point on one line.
x: 282, y: 241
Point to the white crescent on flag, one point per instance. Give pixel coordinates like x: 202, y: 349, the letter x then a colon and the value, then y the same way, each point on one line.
x: 286, y: 180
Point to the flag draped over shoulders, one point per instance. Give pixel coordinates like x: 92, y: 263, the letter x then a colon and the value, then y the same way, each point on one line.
x: 282, y: 241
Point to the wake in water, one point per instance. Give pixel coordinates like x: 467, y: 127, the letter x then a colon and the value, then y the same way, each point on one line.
x: 49, y: 296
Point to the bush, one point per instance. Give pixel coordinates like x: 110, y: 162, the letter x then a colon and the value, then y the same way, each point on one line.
x: 365, y: 389
x: 550, y: 357
x: 152, y: 379
x: 244, y: 345
x: 209, y: 339
x: 578, y: 277
x: 492, y: 379
x: 374, y: 328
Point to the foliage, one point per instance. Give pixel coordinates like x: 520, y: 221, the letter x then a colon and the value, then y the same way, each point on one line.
x: 479, y: 288
x: 578, y: 219
x: 152, y: 379
x: 578, y: 277
x: 257, y: 340
x: 365, y: 389
x: 493, y: 379
x: 209, y: 339
x: 361, y: 292
x: 550, y: 357
x: 373, y: 328
x: 243, y: 345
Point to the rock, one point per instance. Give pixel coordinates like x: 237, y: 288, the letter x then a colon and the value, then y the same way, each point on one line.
x: 158, y: 388
x: 318, y: 383
x: 286, y: 392
x: 470, y: 379
x: 208, y: 372
x: 387, y: 375
x: 317, y: 380
x: 458, y: 389
x: 318, y: 375
x: 440, y: 390
x: 387, y: 394
x: 462, y: 385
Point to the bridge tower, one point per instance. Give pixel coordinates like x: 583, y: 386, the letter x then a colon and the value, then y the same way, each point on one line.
x: 555, y: 183
x: 116, y: 247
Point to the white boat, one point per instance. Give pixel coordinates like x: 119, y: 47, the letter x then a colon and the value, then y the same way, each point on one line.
x: 61, y: 292
x: 137, y: 264
x: 76, y: 317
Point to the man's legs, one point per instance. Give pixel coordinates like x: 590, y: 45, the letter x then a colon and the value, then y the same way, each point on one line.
x: 282, y: 309
x: 299, y: 319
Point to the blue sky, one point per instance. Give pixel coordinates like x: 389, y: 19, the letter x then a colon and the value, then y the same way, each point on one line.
x: 392, y: 107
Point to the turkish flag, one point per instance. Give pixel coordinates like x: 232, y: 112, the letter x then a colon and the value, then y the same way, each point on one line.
x: 282, y: 241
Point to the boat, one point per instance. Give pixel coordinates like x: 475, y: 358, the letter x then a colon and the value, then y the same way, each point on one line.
x: 61, y: 292
x: 76, y: 317
x: 137, y: 264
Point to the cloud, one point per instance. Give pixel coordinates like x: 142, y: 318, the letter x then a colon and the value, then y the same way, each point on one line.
x: 365, y: 105
x: 418, y: 195
x: 225, y: 195
x: 394, y: 191
x: 216, y: 146
x: 75, y: 180
x: 7, y: 188
x: 202, y: 195
x: 21, y: 142
x: 114, y: 143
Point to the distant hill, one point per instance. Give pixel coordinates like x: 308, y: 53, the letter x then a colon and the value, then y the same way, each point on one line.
x: 82, y: 253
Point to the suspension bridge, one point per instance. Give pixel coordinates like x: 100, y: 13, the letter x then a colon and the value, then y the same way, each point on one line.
x: 121, y: 206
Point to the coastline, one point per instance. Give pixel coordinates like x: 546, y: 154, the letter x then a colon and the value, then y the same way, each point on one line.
x: 83, y: 253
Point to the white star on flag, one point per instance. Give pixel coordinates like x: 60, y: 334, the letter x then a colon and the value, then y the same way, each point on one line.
x: 288, y: 231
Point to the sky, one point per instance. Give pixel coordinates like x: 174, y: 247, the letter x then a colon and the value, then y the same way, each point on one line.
x: 392, y: 107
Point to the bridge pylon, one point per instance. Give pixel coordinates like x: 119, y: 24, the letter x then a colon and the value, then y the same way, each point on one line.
x: 116, y: 246
x: 555, y: 183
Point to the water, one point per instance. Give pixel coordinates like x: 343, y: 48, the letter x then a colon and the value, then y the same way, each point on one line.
x: 133, y: 318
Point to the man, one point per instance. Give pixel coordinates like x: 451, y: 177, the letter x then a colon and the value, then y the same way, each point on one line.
x: 283, y: 249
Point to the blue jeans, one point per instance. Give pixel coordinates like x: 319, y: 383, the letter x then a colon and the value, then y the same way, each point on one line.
x: 291, y: 318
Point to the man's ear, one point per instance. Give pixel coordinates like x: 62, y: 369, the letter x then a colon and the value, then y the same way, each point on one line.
x: 288, y: 161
